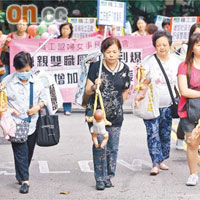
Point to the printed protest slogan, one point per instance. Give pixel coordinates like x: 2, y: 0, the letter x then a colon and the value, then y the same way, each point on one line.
x: 82, y: 26
x: 180, y: 27
x: 111, y: 13
x: 62, y: 58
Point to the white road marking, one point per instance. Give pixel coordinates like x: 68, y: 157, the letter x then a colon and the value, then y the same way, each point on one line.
x: 44, y: 168
x: 84, y: 165
x: 136, y: 165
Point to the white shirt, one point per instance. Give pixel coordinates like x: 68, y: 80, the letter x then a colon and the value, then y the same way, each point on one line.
x: 99, y: 128
x: 18, y: 95
x: 171, y: 69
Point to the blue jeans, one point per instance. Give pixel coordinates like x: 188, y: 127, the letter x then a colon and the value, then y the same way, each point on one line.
x: 23, y: 153
x: 6, y: 73
x: 105, y: 160
x: 67, y: 107
x: 158, y: 135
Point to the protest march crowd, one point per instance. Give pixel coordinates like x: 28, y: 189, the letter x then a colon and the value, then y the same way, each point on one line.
x: 164, y: 85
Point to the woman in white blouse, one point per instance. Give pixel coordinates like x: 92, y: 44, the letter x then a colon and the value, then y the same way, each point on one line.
x: 18, y: 94
x: 159, y: 129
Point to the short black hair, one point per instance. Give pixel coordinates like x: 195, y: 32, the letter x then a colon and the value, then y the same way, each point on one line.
x: 109, y: 41
x: 66, y: 24
x: 1, y: 27
x: 161, y: 33
x: 22, y: 59
x: 165, y: 22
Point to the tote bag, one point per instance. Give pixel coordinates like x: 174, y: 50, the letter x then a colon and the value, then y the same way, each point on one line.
x: 48, y: 131
x: 149, y: 106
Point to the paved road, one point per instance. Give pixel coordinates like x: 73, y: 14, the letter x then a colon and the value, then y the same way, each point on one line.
x: 68, y: 167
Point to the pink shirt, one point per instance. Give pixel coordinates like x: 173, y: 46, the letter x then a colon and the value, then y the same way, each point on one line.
x: 13, y: 36
x: 194, y: 84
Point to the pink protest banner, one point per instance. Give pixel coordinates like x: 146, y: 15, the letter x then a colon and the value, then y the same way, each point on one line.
x: 62, y: 58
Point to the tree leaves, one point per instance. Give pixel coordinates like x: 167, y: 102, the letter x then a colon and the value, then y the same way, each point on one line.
x: 2, y: 16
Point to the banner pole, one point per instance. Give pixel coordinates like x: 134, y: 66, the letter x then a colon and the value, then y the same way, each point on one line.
x: 35, y: 69
x: 101, y: 59
x: 42, y: 45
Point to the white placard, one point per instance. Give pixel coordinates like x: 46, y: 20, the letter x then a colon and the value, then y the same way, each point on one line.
x: 111, y: 13
x: 180, y: 27
x: 83, y: 26
x: 159, y: 20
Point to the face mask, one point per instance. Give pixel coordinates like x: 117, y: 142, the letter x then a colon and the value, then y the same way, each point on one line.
x: 24, y: 75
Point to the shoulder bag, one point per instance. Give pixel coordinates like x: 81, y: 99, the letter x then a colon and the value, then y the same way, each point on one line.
x: 22, y: 128
x: 193, y: 107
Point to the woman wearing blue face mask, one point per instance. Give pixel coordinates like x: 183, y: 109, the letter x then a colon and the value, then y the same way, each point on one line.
x: 18, y: 94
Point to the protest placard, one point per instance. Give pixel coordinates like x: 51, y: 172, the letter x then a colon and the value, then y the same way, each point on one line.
x: 180, y: 27
x: 83, y: 26
x: 159, y: 20
x: 111, y: 13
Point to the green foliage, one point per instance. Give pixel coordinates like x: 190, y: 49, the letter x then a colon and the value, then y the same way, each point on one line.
x: 2, y: 17
x: 177, y: 10
x: 87, y: 8
x: 150, y: 7
x: 146, y: 8
x: 195, y: 7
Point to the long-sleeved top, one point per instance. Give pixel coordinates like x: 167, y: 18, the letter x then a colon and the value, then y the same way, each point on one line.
x: 18, y: 95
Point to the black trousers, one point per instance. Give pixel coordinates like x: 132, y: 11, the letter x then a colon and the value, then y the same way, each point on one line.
x: 180, y: 134
x: 23, y: 153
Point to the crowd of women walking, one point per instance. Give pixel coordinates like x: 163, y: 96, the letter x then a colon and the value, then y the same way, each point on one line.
x: 112, y: 86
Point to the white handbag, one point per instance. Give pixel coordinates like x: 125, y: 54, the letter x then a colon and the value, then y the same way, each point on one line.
x: 149, y: 106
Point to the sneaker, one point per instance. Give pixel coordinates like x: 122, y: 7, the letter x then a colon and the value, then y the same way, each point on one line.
x: 154, y: 171
x: 100, y: 185
x: 192, y: 180
x: 179, y: 144
x: 108, y: 183
x: 67, y: 113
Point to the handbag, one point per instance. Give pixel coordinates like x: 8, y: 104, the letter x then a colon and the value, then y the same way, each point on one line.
x: 48, y: 131
x: 192, y: 106
x: 174, y: 106
x: 149, y: 106
x: 21, y: 134
x: 7, y: 123
x: 193, y: 109
x: 22, y: 128
x: 5, y: 57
